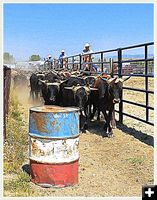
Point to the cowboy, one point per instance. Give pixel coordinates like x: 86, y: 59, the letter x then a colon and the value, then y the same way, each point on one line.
x: 62, y: 60
x: 87, y: 57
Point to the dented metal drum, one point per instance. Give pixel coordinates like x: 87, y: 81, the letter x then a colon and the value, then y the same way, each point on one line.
x: 53, y: 122
x: 53, y: 147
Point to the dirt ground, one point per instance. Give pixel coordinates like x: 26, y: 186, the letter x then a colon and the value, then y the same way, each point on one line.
x: 116, y: 166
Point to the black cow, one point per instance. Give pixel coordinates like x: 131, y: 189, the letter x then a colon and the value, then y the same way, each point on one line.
x: 74, y: 81
x: 75, y: 92
x: 109, y: 93
x: 90, y: 80
x: 77, y: 96
x: 35, y: 85
x: 51, y: 76
x: 50, y: 92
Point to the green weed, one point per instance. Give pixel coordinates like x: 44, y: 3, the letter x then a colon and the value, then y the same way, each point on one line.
x: 136, y: 161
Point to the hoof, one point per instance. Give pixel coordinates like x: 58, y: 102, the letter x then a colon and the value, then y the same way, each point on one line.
x: 110, y: 134
x: 105, y: 128
x: 83, y: 130
x: 85, y: 127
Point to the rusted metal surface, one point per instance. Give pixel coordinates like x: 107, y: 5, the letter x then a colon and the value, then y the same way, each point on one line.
x: 53, y: 109
x: 6, y: 91
x: 53, y: 122
x: 54, y: 151
x: 54, y: 175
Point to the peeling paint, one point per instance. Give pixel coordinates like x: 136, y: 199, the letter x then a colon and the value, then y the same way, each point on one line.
x: 54, y: 151
x: 53, y: 147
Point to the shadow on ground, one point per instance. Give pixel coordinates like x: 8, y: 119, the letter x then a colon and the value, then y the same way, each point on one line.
x: 26, y: 169
x: 143, y: 137
x: 96, y: 127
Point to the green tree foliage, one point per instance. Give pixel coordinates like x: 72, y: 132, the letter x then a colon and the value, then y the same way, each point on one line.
x: 8, y: 58
x: 34, y: 58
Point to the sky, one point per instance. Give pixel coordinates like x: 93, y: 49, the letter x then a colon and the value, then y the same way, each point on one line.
x: 48, y: 28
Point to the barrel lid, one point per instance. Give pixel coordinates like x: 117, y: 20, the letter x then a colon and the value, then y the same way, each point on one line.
x: 53, y: 109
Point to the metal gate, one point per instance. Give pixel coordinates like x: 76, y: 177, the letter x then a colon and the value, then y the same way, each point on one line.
x: 75, y: 62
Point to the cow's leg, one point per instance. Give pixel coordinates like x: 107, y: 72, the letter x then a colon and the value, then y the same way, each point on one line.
x: 107, y: 127
x: 113, y: 120
x: 94, y: 111
x: 30, y: 95
x: 90, y: 105
x: 36, y: 94
x: 33, y: 95
x: 98, y: 117
x: 86, y: 115
x: 110, y: 132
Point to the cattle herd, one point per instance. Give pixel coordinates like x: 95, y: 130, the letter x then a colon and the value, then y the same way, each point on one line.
x: 90, y: 93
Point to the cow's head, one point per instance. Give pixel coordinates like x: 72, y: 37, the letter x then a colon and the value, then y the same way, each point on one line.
x: 90, y: 80
x: 115, y: 88
x: 81, y: 94
x: 53, y: 91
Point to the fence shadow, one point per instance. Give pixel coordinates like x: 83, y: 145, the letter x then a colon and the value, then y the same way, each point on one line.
x: 143, y: 137
x: 96, y: 127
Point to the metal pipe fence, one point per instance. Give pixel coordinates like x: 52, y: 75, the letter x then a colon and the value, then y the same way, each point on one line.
x: 115, y: 64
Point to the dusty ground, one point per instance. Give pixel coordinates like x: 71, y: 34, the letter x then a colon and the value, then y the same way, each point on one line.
x: 117, y: 166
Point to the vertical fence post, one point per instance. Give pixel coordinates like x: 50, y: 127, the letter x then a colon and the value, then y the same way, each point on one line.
x: 80, y: 61
x: 111, y: 66
x: 146, y: 83
x: 66, y: 63
x: 72, y: 62
x: 6, y: 93
x: 102, y: 60
x: 120, y: 75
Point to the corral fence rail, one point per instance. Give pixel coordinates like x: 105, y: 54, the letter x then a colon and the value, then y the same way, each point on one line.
x: 6, y: 92
x: 118, y: 60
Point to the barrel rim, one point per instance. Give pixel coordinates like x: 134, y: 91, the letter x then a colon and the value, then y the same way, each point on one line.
x: 54, y: 163
x: 54, y: 138
x: 46, y: 185
x: 63, y: 109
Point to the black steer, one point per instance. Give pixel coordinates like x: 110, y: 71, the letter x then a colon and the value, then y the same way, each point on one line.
x: 35, y: 85
x: 109, y: 93
x: 50, y: 93
x: 77, y: 96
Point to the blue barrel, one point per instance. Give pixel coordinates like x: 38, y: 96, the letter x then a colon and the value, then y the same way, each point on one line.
x: 53, y: 148
x: 53, y: 122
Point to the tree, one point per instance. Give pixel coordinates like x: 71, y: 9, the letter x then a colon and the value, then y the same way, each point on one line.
x: 34, y: 58
x: 8, y: 58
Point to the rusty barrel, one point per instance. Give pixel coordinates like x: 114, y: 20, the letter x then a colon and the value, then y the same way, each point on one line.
x: 53, y: 146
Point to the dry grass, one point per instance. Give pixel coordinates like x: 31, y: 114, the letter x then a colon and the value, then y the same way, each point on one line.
x: 16, y: 138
